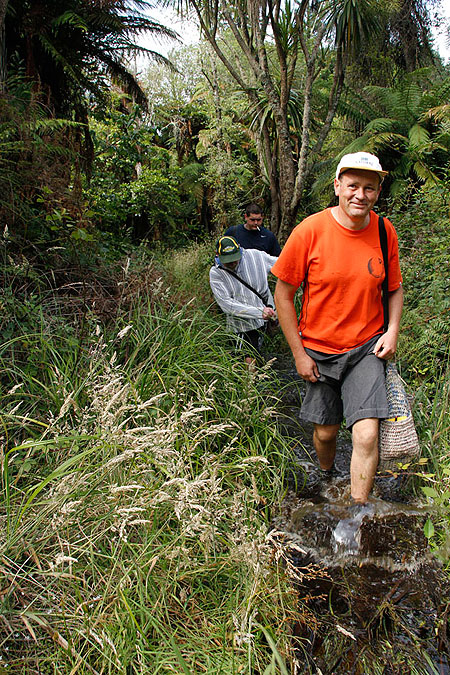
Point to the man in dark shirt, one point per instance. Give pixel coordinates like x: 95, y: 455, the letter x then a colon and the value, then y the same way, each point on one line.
x: 252, y: 234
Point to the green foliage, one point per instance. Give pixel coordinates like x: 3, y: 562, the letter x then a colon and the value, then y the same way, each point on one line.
x: 170, y: 89
x: 122, y: 138
x: 138, y: 186
x: 230, y: 181
x: 421, y: 220
x: 408, y: 130
x: 203, y: 118
x: 154, y: 194
x: 60, y: 59
x: 35, y: 163
x: 72, y: 47
x: 423, y: 237
x: 356, y: 24
x: 431, y: 405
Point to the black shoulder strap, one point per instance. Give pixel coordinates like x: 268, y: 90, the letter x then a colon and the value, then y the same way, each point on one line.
x: 385, y: 284
x: 236, y: 276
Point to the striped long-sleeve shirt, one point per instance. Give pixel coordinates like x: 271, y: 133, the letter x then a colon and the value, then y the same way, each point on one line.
x: 242, y: 307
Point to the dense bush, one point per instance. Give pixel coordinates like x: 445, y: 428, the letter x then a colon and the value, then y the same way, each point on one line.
x: 137, y: 187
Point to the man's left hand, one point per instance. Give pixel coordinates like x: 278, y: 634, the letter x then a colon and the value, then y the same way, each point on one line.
x: 385, y: 346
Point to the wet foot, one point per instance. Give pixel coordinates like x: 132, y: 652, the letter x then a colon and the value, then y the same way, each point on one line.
x: 315, y: 483
x: 327, y: 475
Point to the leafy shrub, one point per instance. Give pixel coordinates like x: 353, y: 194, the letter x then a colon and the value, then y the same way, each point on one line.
x: 138, y: 187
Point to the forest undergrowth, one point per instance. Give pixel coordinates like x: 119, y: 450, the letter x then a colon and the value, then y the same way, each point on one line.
x: 141, y: 462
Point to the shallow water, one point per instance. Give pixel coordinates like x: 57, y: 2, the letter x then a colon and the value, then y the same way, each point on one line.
x: 373, y: 598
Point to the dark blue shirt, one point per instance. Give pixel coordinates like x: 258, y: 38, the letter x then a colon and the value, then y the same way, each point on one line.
x: 263, y: 240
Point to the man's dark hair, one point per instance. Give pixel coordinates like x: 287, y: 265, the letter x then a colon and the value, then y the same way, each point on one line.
x: 253, y: 208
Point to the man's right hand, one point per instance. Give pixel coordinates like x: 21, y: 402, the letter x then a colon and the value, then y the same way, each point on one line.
x: 268, y: 313
x: 284, y: 303
x: 307, y: 368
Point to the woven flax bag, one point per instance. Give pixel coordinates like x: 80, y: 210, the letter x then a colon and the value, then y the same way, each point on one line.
x: 398, y: 441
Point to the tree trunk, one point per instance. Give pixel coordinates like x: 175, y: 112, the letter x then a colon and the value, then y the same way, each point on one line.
x: 288, y: 215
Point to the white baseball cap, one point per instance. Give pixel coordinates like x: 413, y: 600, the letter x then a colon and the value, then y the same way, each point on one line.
x: 360, y: 160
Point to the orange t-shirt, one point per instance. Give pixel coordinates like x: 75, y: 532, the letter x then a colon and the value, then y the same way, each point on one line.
x: 341, y: 271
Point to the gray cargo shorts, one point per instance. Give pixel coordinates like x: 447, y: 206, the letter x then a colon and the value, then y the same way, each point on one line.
x: 351, y: 386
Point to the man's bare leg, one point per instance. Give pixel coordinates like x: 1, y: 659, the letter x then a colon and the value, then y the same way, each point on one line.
x: 364, y: 458
x: 324, y: 439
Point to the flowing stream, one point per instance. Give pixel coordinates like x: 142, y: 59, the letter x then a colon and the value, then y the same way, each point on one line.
x: 372, y: 598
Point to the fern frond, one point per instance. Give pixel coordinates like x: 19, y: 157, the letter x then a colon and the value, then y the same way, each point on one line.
x: 59, y: 58
x: 386, y: 141
x: 72, y: 19
x: 120, y: 75
x: 357, y: 108
x: 381, y: 124
x: 424, y: 172
x: 418, y: 136
x: 53, y: 124
x: 438, y: 113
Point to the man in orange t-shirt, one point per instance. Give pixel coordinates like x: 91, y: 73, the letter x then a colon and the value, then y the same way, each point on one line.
x: 338, y: 342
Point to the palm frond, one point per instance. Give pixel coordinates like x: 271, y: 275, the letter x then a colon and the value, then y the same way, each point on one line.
x: 120, y: 75
x: 353, y: 22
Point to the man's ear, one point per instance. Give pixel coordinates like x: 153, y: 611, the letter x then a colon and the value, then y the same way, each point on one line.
x: 336, y: 186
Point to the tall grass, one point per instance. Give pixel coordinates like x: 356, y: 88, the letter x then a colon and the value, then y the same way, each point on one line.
x: 136, y: 492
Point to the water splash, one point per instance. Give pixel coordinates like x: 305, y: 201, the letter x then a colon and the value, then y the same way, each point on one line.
x: 346, y: 534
